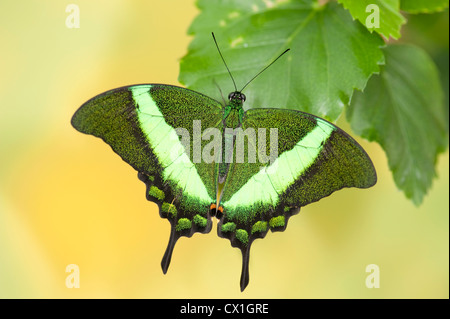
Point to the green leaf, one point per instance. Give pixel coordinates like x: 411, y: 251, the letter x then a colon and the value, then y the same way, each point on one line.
x: 423, y: 6
x: 382, y: 16
x: 330, y: 55
x: 402, y: 109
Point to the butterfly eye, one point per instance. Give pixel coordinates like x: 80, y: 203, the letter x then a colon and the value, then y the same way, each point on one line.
x: 236, y: 95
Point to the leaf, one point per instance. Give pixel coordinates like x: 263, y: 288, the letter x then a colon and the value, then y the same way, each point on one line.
x: 330, y: 55
x: 423, y: 6
x: 402, y: 109
x: 387, y: 13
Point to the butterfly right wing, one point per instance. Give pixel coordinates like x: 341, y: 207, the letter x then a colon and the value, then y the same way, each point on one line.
x: 314, y: 158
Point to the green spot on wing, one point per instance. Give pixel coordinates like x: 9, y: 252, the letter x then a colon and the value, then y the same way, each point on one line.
x: 242, y: 235
x: 277, y: 222
x: 228, y: 227
x: 156, y: 193
x: 169, y: 209
x: 200, y: 221
x: 183, y: 223
x: 259, y: 226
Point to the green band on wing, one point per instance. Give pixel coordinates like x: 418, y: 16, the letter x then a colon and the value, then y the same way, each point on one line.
x: 284, y: 171
x: 177, y: 167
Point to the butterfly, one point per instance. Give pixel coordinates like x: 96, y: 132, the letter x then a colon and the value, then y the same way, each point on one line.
x: 202, y: 159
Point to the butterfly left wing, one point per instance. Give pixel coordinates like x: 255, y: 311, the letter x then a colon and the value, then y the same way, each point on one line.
x: 314, y: 158
x: 145, y: 125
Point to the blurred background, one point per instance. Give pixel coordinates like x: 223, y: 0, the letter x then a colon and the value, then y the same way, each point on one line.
x: 66, y: 198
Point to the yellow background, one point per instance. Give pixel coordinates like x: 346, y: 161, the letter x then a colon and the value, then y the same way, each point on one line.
x: 66, y: 198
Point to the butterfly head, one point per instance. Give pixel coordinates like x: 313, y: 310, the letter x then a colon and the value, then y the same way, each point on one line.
x: 236, y: 98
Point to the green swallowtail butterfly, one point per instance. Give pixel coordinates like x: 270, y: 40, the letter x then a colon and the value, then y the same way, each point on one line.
x: 201, y: 159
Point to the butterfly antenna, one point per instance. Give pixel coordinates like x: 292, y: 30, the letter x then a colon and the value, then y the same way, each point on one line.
x: 264, y: 69
x: 234, y: 83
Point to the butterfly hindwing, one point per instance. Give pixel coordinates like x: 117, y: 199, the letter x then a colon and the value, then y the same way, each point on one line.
x: 146, y: 125
x: 314, y: 158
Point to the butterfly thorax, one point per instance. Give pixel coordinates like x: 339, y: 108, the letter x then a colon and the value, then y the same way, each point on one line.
x: 234, y: 111
x: 232, y: 119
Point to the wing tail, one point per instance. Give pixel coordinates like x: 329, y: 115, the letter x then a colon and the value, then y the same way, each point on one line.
x: 165, y: 262
x: 245, y: 275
